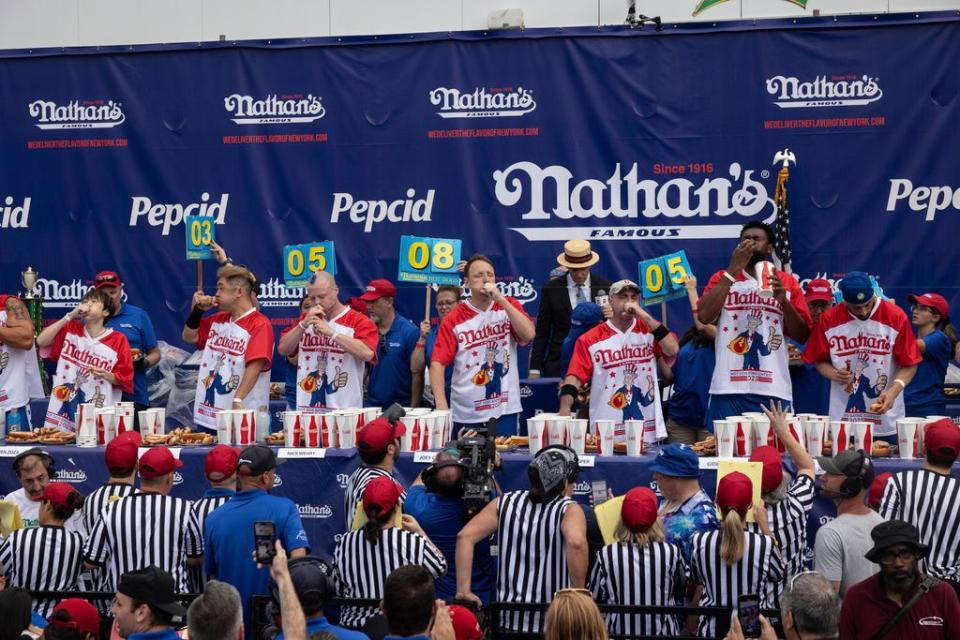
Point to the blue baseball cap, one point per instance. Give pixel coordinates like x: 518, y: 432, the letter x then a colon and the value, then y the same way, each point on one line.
x: 856, y: 287
x: 677, y: 461
x: 587, y: 314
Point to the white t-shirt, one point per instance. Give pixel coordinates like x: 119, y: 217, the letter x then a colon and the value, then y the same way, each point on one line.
x: 621, y: 367
x: 19, y: 371
x: 481, y: 346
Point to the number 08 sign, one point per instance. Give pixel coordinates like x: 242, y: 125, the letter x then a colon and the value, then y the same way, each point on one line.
x: 300, y: 261
x: 663, y: 278
x: 429, y: 260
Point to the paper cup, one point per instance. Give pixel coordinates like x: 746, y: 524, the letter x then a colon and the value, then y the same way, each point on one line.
x: 127, y: 411
x: 908, y: 437
x: 410, y: 441
x: 763, y: 433
x: 314, y: 431
x: 225, y: 426
x: 606, y: 430
x: 815, y: 431
x: 370, y: 414
x: 346, y: 423
x: 841, y: 433
x: 764, y: 271
x: 292, y: 428
x: 725, y: 433
x: 434, y: 425
x: 634, y: 430
x: 148, y: 421
x: 742, y: 435
x: 244, y: 424
x: 87, y: 425
x: 445, y: 423
x: 557, y: 428
x: 106, y: 425
x: 863, y: 437
x: 795, y: 428
x: 577, y: 434
x: 537, y: 434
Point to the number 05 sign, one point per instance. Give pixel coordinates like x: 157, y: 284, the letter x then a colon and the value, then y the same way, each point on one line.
x: 663, y: 278
x: 300, y: 261
x: 429, y: 260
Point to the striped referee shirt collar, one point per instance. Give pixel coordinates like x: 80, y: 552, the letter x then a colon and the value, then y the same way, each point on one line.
x: 217, y: 492
x: 691, y: 503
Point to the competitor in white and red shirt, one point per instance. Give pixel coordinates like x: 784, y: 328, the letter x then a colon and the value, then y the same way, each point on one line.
x: 332, y: 343
x: 479, y: 340
x: 619, y: 360
x: 94, y: 362
x: 237, y: 344
x: 865, y: 347
x: 753, y: 362
x: 19, y: 373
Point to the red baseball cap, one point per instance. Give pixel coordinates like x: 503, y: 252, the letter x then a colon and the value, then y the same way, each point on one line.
x: 158, y: 462
x: 106, y: 279
x: 772, y: 467
x: 933, y: 300
x: 83, y: 616
x: 358, y: 304
x: 379, y: 288
x: 58, y: 492
x: 639, y: 509
x: 382, y: 492
x: 121, y: 453
x: 465, y: 625
x: 820, y: 290
x: 221, y: 463
x: 735, y: 491
x: 378, y: 434
x: 875, y: 495
x: 942, y: 437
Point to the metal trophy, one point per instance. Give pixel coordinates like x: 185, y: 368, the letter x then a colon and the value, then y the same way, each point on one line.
x: 28, y: 279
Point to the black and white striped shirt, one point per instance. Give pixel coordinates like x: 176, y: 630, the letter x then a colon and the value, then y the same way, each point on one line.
x: 788, y: 524
x: 45, y: 558
x: 654, y: 575
x: 361, y: 567
x: 145, y: 529
x: 353, y: 494
x: 94, y: 504
x: 723, y: 583
x: 201, y: 509
x: 532, y: 560
x: 931, y: 502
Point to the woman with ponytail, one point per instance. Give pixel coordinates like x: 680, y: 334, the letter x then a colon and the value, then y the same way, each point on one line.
x: 365, y: 557
x: 48, y: 557
x: 732, y: 561
x: 936, y: 339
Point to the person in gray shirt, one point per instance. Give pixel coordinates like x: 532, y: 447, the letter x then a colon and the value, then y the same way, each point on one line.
x: 838, y: 552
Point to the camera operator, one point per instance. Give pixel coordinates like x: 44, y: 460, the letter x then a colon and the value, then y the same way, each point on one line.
x: 436, y: 500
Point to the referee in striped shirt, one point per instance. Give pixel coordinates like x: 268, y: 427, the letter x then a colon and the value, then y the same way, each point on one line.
x: 48, y: 557
x: 220, y: 469
x: 120, y: 458
x: 378, y: 443
x: 929, y: 499
x: 543, y: 540
x: 365, y: 557
x: 147, y: 528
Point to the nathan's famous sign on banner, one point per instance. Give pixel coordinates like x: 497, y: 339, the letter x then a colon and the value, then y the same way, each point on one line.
x: 688, y: 197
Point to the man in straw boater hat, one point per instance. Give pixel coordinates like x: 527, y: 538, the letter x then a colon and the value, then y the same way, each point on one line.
x: 558, y: 298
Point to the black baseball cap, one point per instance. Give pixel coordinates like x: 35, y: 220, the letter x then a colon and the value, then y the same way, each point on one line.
x: 153, y: 586
x: 893, y: 532
x: 258, y: 458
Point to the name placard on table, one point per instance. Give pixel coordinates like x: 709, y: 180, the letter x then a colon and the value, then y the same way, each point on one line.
x: 296, y: 453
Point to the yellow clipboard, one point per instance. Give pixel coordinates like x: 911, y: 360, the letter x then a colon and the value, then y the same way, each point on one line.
x: 753, y: 470
x: 10, y: 519
x: 608, y: 517
x: 360, y: 518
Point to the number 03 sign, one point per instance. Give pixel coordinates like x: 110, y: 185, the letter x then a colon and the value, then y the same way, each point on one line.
x: 201, y: 231
x: 663, y: 278
x: 300, y: 261
x: 432, y: 260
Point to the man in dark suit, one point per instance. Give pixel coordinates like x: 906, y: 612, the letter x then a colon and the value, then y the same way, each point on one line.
x: 558, y: 298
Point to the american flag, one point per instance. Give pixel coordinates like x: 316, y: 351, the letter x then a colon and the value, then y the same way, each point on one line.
x: 781, y: 233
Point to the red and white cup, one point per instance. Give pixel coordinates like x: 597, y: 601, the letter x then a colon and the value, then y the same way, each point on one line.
x: 795, y: 428
x: 292, y: 428
x: 763, y: 432
x: 316, y: 433
x: 815, y: 430
x: 152, y: 421
x: 863, y: 437
x: 537, y: 433
x: 764, y: 272
x: 634, y: 432
x: 225, y: 426
x: 908, y: 437
x: 346, y: 423
x: 725, y: 433
x: 87, y: 425
x: 742, y: 435
x: 127, y: 410
x: 244, y: 426
x: 410, y: 441
x: 577, y: 434
x: 106, y: 425
x: 436, y: 426
x: 841, y: 431
x: 557, y: 428
x: 606, y: 436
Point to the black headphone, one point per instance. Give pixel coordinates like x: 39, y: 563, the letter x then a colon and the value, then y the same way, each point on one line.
x: 325, y: 592
x: 429, y: 475
x: 45, y: 458
x: 852, y: 485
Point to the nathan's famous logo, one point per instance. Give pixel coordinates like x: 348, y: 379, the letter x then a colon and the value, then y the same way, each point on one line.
x: 927, y: 199
x: 273, y: 293
x: 170, y: 215
x: 839, y: 91
x: 482, y: 103
x: 342, y: 479
x: 522, y: 288
x: 14, y: 217
x: 274, y: 109
x: 371, y: 212
x: 77, y: 476
x: 63, y: 295
x: 77, y: 114
x: 552, y: 194
x: 315, y: 511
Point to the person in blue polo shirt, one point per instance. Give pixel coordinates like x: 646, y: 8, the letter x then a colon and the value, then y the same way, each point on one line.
x: 134, y: 323
x: 393, y: 377
x: 146, y: 604
x: 228, y: 531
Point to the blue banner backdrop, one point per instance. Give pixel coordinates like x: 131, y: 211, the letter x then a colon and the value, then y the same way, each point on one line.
x: 645, y: 143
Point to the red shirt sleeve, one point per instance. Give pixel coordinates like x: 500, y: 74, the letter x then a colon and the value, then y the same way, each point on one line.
x: 519, y: 306
x: 123, y: 369
x: 445, y: 347
x: 203, y: 332
x: 260, y: 346
x: 712, y: 282
x: 52, y: 352
x: 366, y: 332
x: 581, y: 365
x: 817, y: 347
x: 905, y: 350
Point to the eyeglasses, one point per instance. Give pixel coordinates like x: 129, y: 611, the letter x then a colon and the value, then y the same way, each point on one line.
x: 889, y: 557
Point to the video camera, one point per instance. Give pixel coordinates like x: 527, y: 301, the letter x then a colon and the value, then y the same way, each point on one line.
x: 477, y: 455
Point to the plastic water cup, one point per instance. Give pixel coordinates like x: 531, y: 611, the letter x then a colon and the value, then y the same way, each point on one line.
x: 725, y: 433
x: 634, y: 432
